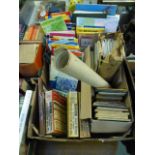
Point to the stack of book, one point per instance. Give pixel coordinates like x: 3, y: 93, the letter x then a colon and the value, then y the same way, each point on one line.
x: 102, y: 18
x: 111, y: 110
x: 93, y: 11
x: 109, y: 105
x: 61, y: 37
x: 64, y: 39
x: 111, y: 114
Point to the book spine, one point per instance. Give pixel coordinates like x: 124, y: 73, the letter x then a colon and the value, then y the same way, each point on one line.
x: 48, y: 103
x: 59, y: 127
x: 59, y: 107
x: 58, y: 115
x: 58, y: 98
x: 41, y: 113
x: 24, y: 113
x: 72, y: 115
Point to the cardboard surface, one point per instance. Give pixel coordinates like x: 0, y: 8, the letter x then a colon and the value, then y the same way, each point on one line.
x: 86, y: 99
x: 30, y: 59
x: 27, y: 53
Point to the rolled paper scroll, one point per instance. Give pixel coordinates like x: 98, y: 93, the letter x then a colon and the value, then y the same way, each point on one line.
x: 72, y: 65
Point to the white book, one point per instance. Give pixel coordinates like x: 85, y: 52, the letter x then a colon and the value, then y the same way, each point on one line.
x: 24, y: 113
x: 72, y: 115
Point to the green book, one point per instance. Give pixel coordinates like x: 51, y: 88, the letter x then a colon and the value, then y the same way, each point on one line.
x: 53, y: 24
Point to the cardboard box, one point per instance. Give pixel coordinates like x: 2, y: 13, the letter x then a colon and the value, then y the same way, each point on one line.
x: 30, y: 59
x: 86, y: 99
x: 108, y: 64
x: 33, y: 131
x: 130, y: 81
x: 33, y: 128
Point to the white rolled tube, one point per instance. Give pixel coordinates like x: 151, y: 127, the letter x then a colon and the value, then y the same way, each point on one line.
x: 72, y: 65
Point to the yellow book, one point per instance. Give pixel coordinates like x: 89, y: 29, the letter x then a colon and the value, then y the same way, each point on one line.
x: 90, y: 29
x: 72, y: 115
x: 79, y: 32
x: 66, y: 46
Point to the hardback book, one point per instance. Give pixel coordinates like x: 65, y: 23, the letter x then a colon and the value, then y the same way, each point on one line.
x: 106, y: 126
x: 113, y: 109
x: 99, y: 97
x: 87, y: 14
x: 72, y: 115
x: 109, y: 9
x: 55, y: 105
x: 110, y: 104
x: 113, y: 115
x: 84, y: 128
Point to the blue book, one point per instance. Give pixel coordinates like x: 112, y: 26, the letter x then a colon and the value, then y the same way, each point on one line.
x: 110, y: 9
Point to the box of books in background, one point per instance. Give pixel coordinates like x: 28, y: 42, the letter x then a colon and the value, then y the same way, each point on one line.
x: 74, y: 95
x: 93, y: 20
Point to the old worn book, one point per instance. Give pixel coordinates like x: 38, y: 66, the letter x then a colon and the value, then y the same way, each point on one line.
x: 72, y: 115
x: 100, y: 126
x: 111, y: 109
x: 110, y: 98
x: 120, y: 116
x: 110, y: 104
x: 55, y: 105
x: 84, y: 129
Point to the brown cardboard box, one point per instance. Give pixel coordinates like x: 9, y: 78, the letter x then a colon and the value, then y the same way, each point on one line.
x: 108, y: 66
x: 33, y: 129
x: 30, y: 59
x: 86, y: 99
